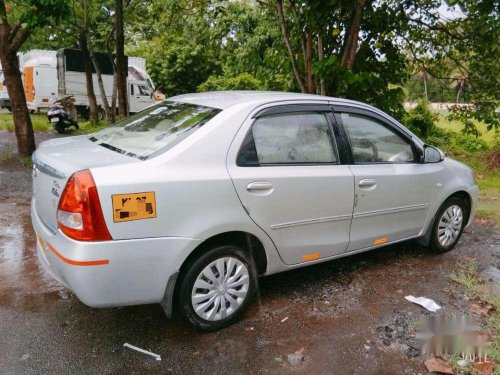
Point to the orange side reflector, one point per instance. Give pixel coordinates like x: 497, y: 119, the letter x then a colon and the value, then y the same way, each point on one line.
x: 381, y: 241
x: 45, y: 100
x: 309, y: 257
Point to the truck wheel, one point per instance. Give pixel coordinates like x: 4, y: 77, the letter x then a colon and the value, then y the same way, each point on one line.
x: 448, y: 225
x: 216, y: 288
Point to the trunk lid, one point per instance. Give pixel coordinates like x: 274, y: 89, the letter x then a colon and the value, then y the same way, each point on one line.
x: 53, y: 164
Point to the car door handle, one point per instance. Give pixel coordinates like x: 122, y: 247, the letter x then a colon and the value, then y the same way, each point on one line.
x: 367, y: 184
x: 259, y: 186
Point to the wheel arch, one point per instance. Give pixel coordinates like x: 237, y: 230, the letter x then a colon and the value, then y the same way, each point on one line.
x: 245, y: 240
x: 464, y: 195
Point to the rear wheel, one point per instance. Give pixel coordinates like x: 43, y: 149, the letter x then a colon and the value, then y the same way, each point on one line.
x: 449, y: 225
x: 216, y: 288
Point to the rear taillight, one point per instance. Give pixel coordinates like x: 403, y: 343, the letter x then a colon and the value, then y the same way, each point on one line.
x: 79, y: 213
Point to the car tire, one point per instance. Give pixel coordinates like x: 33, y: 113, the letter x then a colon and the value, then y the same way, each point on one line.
x: 224, y: 300
x: 448, y: 225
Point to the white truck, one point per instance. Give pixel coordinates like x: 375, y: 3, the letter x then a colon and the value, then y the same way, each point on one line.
x: 48, y: 75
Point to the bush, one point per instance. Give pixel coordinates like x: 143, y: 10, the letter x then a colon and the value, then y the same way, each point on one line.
x: 243, y: 81
x: 455, y: 143
x: 420, y: 120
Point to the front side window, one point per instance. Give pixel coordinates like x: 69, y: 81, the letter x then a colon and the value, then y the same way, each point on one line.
x: 155, y: 129
x: 142, y: 90
x: 295, y: 138
x: 373, y: 142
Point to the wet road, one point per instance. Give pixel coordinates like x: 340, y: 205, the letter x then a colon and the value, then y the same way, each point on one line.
x: 339, y: 313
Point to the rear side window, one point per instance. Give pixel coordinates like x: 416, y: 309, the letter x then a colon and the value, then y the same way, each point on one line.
x: 154, y: 130
x: 373, y: 142
x: 295, y: 138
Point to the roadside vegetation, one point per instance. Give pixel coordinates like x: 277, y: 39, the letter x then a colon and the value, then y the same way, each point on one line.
x: 481, y: 153
x: 485, y: 303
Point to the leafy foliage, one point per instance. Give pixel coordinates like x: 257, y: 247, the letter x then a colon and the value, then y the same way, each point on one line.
x: 194, y: 45
x: 464, y: 53
x: 243, y: 81
x: 420, y: 120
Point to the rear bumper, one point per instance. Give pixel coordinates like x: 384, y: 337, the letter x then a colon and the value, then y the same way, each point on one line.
x: 111, y: 273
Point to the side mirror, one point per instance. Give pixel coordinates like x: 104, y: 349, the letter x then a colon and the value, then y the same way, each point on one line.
x: 433, y: 154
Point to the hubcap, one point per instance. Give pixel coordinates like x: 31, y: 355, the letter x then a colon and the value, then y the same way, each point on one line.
x: 220, y: 289
x: 450, y: 225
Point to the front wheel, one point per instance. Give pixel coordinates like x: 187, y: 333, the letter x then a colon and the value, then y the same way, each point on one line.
x: 216, y: 288
x: 449, y: 225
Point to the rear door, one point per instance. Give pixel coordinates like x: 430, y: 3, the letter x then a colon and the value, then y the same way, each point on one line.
x: 393, y: 188
x: 285, y: 167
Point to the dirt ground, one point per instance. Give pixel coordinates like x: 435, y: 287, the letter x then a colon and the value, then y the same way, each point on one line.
x: 347, y: 316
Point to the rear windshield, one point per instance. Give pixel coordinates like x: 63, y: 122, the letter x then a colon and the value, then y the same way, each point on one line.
x: 155, y: 129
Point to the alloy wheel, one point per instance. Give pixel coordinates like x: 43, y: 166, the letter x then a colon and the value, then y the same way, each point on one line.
x: 220, y: 289
x: 450, y: 225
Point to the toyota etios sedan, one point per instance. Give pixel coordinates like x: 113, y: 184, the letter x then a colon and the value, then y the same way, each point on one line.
x: 188, y: 202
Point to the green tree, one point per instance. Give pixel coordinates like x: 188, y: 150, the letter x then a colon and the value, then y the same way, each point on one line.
x: 177, y: 43
x: 465, y: 51
x: 16, y: 25
x: 243, y: 81
x: 347, y: 49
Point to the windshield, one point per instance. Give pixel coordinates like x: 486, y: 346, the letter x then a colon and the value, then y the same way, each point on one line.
x: 155, y: 129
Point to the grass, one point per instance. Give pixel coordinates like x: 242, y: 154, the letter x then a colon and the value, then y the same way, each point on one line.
x: 488, y: 181
x: 41, y: 124
x: 457, y: 126
x: 468, y: 276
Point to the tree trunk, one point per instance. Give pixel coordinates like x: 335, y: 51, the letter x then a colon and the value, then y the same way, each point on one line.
x: 121, y: 66
x: 284, y: 32
x: 320, y: 58
x: 460, y: 85
x: 309, y: 64
x: 87, y: 59
x: 349, y: 49
x: 104, y: 98
x: 13, y: 81
x: 114, y: 97
x: 426, y: 96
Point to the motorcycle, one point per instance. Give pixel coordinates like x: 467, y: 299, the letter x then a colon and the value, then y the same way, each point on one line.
x: 62, y: 114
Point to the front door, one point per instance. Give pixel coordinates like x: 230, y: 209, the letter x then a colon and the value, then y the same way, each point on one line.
x: 392, y: 188
x: 288, y: 177
x: 140, y: 98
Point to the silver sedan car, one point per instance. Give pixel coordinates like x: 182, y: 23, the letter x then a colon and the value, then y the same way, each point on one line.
x: 188, y: 202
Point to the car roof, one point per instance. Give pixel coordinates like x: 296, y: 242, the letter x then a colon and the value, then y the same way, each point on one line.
x: 225, y: 99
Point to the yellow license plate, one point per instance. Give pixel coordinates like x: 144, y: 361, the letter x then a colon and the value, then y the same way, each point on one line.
x: 134, y: 206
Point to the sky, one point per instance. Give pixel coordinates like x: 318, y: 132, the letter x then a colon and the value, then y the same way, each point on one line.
x: 450, y: 13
